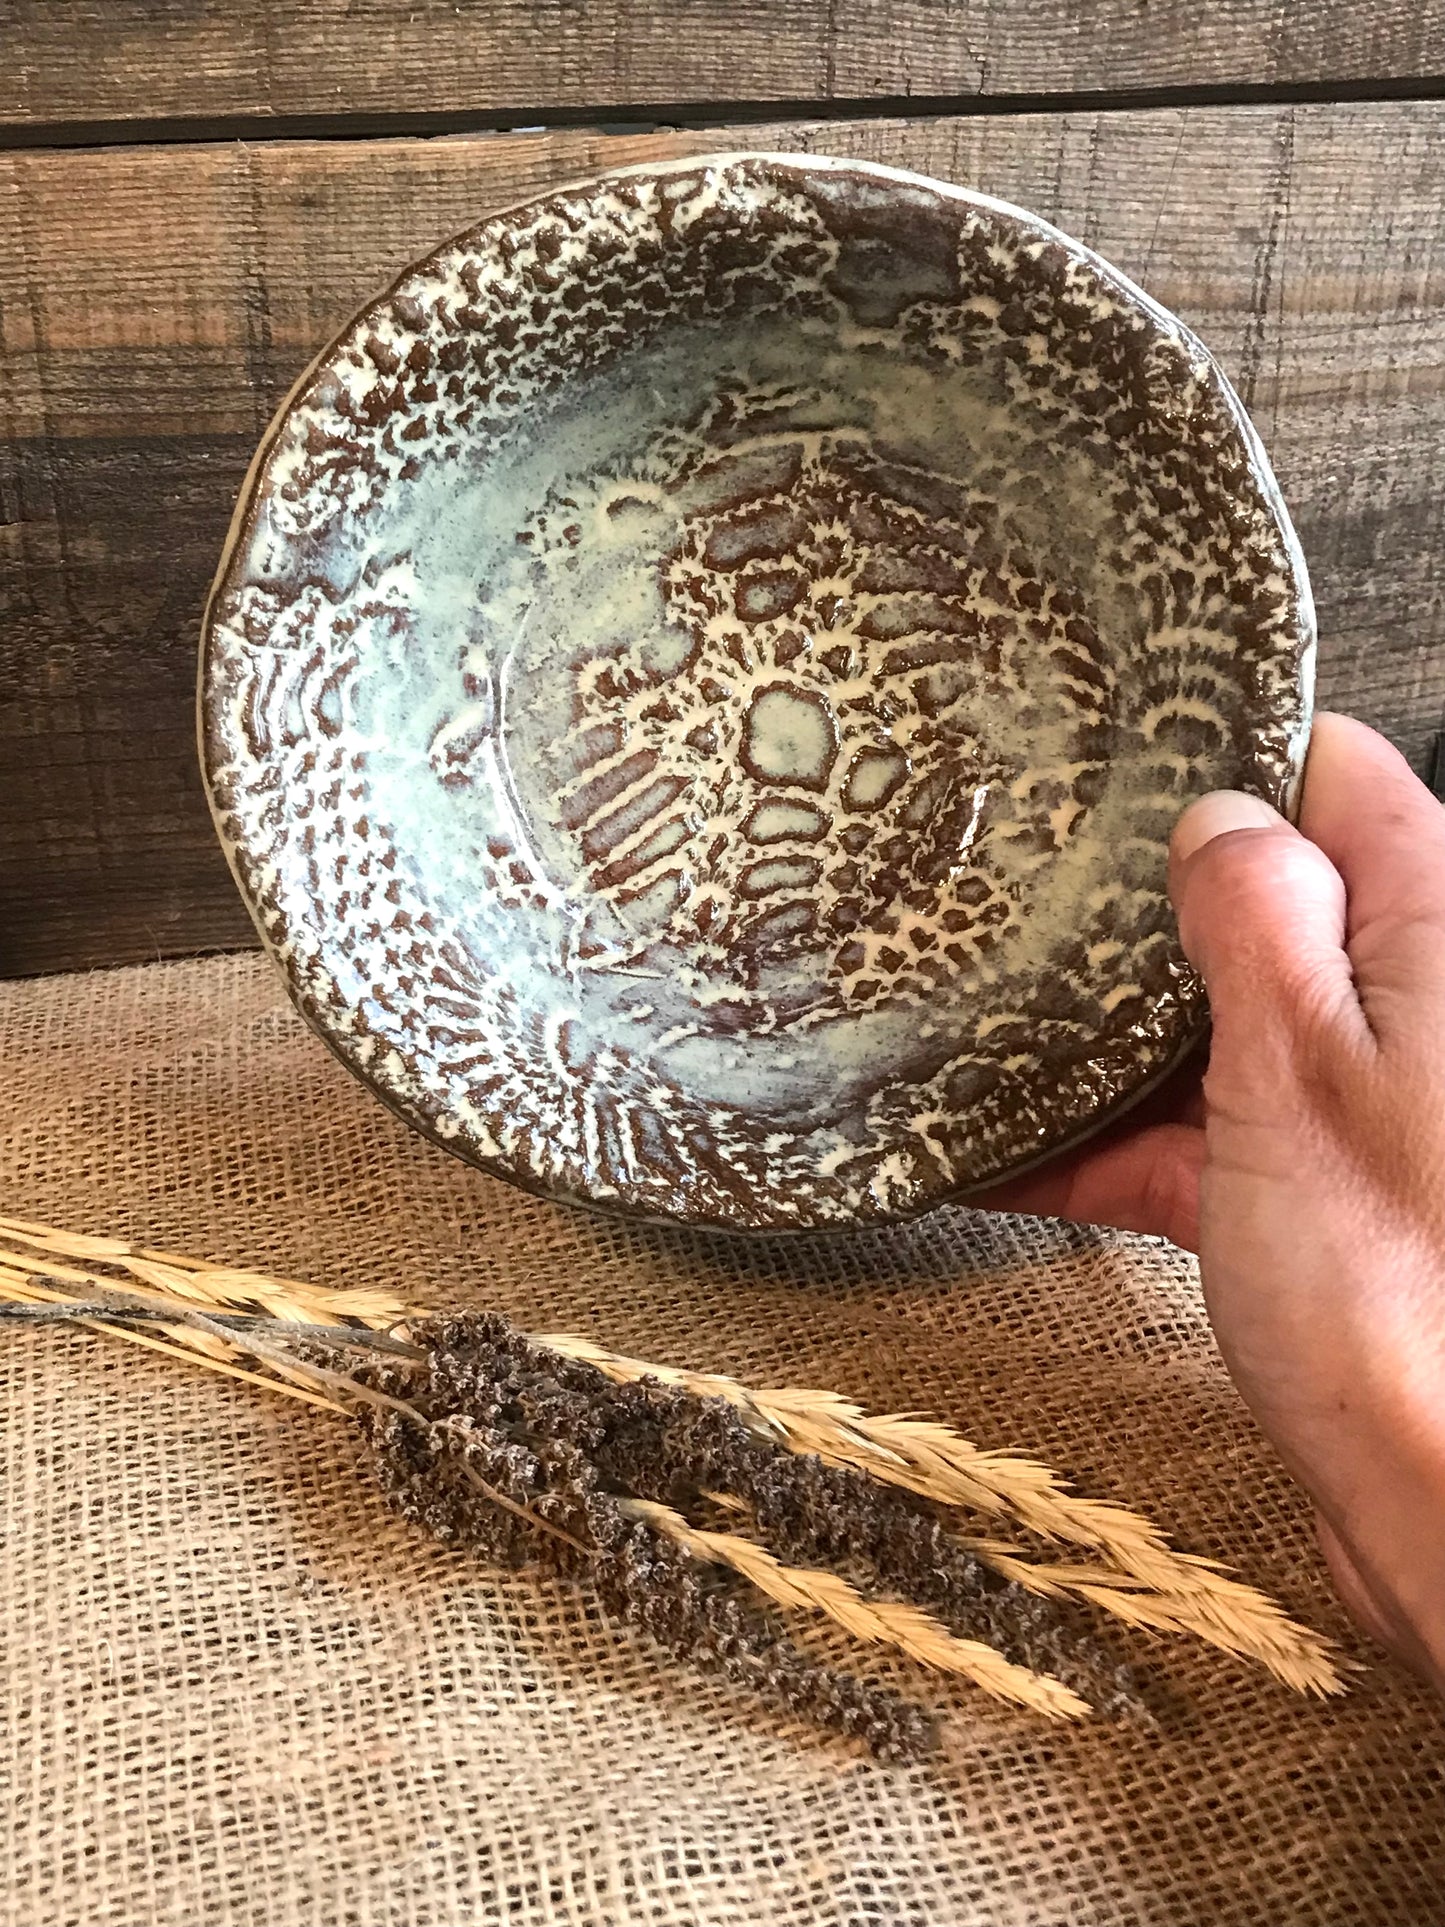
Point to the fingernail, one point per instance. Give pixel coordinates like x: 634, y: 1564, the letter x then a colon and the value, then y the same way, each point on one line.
x: 1216, y: 815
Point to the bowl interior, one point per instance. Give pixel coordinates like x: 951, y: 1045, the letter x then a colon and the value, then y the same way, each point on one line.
x: 705, y: 673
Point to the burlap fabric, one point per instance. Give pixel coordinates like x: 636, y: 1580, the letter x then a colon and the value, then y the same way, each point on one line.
x: 237, y: 1690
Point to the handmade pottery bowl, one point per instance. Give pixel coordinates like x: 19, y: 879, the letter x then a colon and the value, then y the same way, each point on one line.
x: 703, y: 674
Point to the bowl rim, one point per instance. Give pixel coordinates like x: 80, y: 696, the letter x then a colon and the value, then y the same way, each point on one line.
x: 1163, y: 319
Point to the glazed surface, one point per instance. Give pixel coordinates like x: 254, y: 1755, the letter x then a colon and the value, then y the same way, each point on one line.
x: 706, y: 673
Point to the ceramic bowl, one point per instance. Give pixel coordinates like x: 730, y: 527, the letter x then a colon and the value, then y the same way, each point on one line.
x: 703, y: 673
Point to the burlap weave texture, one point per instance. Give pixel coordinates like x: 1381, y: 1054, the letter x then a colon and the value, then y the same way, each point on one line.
x: 237, y: 1690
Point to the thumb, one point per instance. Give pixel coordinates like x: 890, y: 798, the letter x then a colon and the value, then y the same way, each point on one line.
x: 1262, y: 919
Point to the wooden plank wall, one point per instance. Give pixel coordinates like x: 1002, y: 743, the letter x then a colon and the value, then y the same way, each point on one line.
x: 158, y: 298
x: 91, y: 60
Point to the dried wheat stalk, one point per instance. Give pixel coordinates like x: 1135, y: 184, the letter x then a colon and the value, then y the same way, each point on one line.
x: 18, y: 1287
x: 869, y: 1710
x: 871, y: 1621
x: 205, y: 1282
x: 1236, y: 1618
x: 925, y: 1457
x: 1145, y: 1583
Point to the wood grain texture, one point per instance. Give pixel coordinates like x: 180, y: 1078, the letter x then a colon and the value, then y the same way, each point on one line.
x: 155, y: 304
x: 88, y: 60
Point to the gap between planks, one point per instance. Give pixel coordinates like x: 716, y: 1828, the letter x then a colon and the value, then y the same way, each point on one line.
x: 625, y: 120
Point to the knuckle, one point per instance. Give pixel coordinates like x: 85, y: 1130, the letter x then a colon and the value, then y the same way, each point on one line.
x: 1247, y: 888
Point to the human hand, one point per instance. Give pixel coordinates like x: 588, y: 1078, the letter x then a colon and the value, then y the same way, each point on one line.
x: 1311, y: 1177
x: 1139, y: 1174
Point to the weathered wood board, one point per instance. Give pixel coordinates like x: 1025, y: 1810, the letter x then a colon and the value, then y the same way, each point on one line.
x: 156, y: 302
x: 86, y: 61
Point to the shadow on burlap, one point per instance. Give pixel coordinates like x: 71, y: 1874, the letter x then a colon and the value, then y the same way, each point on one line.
x: 237, y: 1690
